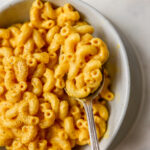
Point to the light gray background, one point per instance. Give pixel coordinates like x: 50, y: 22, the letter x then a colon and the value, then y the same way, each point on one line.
x: 133, y: 19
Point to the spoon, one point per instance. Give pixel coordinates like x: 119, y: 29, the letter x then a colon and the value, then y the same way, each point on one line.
x: 87, y: 103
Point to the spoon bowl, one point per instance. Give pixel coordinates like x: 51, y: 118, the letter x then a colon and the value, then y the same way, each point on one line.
x: 87, y: 103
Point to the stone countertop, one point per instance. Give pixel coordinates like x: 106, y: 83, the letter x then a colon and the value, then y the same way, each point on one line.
x: 132, y: 17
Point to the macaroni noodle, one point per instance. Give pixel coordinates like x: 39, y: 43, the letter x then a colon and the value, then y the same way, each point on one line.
x: 42, y: 63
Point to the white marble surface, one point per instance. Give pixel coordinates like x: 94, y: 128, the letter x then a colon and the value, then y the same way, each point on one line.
x: 133, y: 18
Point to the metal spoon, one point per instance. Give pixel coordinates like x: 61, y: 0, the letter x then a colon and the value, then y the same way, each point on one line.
x: 87, y: 103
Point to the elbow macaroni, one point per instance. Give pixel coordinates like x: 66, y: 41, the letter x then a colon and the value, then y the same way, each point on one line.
x: 38, y: 59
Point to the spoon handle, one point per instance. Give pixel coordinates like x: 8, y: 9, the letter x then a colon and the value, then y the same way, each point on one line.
x: 91, y: 125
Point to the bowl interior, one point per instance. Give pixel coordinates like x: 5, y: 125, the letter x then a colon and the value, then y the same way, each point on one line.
x: 18, y: 11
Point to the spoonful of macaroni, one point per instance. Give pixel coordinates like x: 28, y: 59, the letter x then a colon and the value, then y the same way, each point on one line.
x: 87, y: 103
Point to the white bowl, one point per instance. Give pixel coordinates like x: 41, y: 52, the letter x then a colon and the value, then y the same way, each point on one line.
x: 13, y: 11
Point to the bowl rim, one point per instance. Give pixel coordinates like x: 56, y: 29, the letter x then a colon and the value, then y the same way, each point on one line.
x: 6, y: 4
